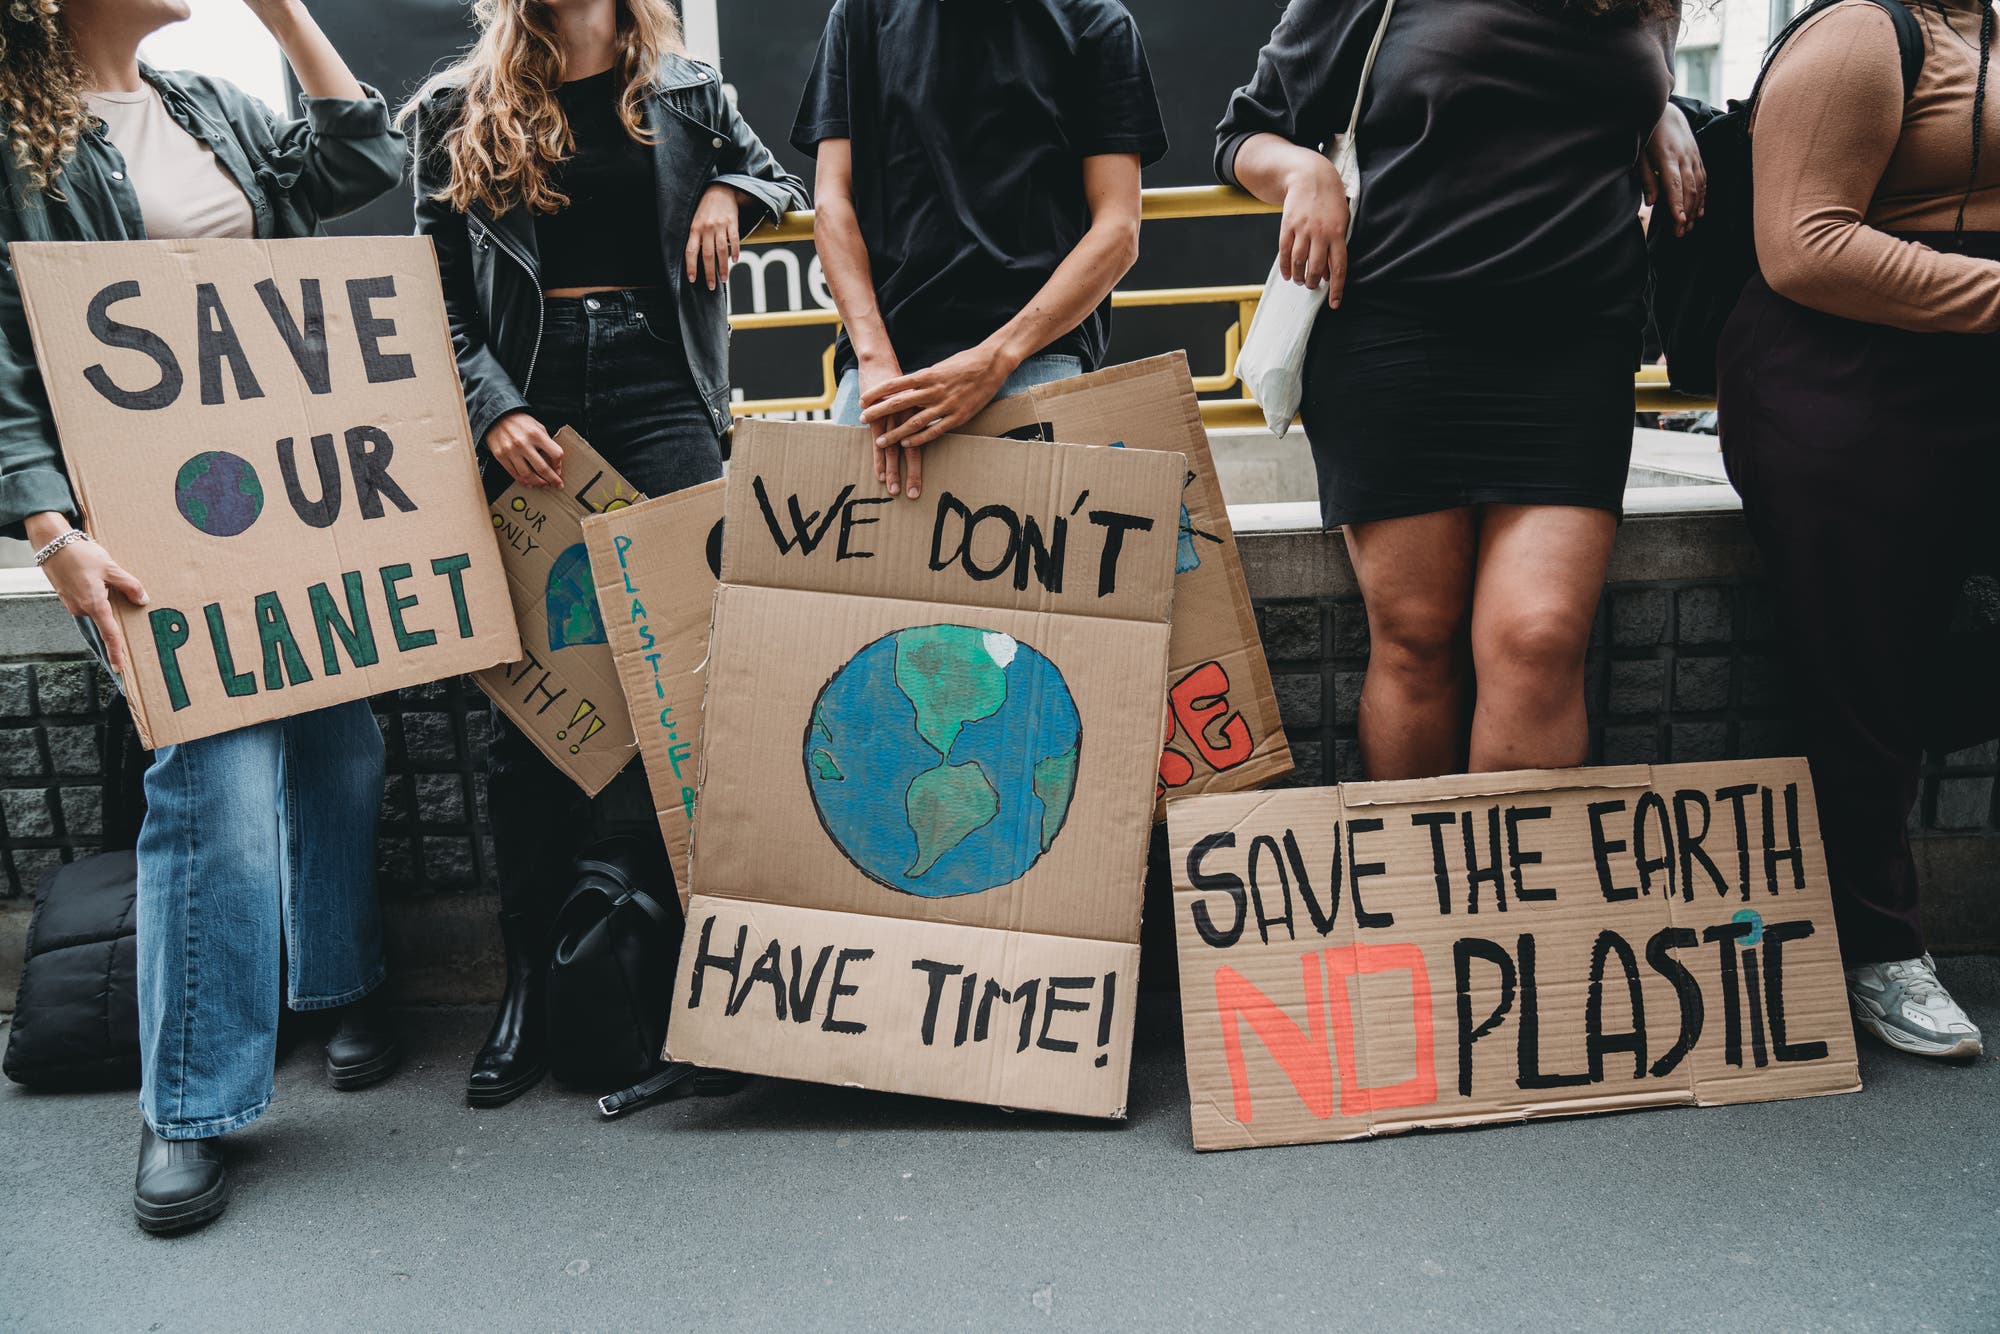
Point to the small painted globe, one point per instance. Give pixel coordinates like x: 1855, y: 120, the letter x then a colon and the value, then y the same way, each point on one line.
x: 218, y: 492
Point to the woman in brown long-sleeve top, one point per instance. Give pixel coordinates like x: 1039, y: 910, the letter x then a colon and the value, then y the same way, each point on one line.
x: 1855, y: 391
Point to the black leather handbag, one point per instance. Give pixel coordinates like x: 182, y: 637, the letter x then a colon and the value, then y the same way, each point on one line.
x: 612, y: 975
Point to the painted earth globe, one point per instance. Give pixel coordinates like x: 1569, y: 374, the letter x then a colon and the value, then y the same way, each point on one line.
x: 218, y: 492
x: 942, y: 758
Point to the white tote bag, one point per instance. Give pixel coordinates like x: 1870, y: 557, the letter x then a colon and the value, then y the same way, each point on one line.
x: 1271, y: 363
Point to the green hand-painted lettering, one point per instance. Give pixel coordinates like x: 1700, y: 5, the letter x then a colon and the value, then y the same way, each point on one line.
x: 235, y: 684
x: 406, y: 639
x: 170, y: 632
x: 453, y: 568
x: 355, y: 632
x: 274, y: 632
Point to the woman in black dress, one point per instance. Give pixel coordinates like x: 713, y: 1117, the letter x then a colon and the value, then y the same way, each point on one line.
x: 1468, y: 391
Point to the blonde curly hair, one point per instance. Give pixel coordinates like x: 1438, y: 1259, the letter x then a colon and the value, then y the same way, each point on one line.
x: 510, y: 132
x: 41, y: 90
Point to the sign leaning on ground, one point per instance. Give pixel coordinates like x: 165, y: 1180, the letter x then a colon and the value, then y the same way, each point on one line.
x: 563, y: 691
x: 1379, y: 957
x: 939, y: 721
x: 656, y: 565
x: 1223, y: 729
x: 270, y: 435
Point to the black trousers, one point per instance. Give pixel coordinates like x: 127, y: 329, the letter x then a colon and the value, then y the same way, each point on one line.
x: 612, y: 367
x: 1868, y: 460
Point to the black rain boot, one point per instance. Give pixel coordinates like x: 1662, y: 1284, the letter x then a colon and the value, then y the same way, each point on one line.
x: 181, y: 1182
x: 364, y: 1048
x: 515, y: 1055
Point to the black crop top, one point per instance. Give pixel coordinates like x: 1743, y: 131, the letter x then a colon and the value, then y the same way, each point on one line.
x: 609, y: 235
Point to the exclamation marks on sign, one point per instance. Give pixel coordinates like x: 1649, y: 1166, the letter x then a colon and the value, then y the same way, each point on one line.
x: 583, y: 710
x: 1104, y: 1013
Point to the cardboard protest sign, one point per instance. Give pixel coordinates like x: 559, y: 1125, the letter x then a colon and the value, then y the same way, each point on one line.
x: 1223, y: 729
x: 1377, y: 957
x: 656, y: 564
x: 928, y: 748
x: 271, y: 436
x: 563, y: 691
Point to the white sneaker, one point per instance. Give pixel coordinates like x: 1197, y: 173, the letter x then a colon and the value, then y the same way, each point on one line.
x: 1905, y: 1005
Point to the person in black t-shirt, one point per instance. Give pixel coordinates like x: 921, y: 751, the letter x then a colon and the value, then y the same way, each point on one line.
x: 978, y: 197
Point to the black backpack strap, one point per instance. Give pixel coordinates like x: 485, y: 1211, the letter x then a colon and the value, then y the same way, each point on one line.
x: 1909, y: 41
x: 651, y: 907
x: 663, y: 1083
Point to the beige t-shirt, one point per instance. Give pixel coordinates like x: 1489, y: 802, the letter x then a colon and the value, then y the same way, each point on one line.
x: 183, y: 191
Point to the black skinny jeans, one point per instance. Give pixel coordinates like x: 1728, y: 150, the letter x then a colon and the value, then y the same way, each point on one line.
x: 612, y: 368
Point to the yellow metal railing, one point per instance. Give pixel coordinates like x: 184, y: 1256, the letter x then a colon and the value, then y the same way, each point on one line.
x: 1651, y: 392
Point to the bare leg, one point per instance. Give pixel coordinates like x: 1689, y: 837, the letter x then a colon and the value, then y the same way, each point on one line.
x: 1416, y: 579
x: 1540, y: 576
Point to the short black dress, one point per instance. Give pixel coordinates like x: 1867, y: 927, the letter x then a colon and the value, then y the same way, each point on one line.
x: 1484, y: 350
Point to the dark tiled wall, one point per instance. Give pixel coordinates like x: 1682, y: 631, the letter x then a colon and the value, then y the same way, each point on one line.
x: 1681, y: 671
x: 1677, y: 671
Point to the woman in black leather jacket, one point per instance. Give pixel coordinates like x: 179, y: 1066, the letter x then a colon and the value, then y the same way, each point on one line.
x: 586, y: 186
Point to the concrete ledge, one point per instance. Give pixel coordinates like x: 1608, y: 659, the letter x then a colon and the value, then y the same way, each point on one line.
x: 33, y: 625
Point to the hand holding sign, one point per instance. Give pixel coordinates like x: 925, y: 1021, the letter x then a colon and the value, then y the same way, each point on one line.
x: 85, y: 576
x: 910, y: 411
x: 522, y: 445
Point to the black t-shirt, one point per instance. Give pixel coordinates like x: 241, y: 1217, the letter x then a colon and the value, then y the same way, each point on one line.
x: 609, y: 235
x: 1499, y: 144
x: 969, y: 122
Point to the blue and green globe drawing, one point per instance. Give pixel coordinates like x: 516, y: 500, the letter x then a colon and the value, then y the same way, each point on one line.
x: 942, y: 759
x: 571, y: 601
x: 218, y: 492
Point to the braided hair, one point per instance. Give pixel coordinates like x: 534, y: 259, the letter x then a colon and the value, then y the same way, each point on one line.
x: 1978, y: 108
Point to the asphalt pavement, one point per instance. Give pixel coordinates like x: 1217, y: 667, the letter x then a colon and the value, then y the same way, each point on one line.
x: 798, y: 1207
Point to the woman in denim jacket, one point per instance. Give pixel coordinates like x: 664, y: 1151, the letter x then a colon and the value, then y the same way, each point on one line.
x: 264, y: 835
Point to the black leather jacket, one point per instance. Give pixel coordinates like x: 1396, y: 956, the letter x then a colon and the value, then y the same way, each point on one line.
x: 492, y: 286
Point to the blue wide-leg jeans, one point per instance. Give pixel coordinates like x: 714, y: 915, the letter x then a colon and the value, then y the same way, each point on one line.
x: 258, y: 845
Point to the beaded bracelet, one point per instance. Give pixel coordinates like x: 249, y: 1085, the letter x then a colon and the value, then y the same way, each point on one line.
x: 73, y: 535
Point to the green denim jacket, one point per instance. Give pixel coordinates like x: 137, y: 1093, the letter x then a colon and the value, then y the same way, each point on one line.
x: 296, y: 173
